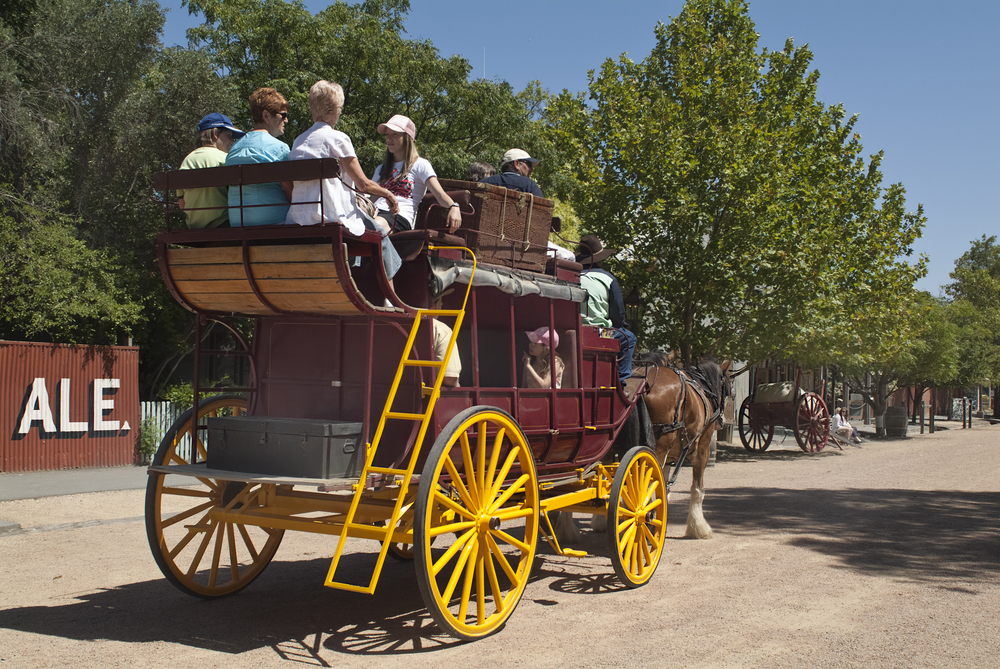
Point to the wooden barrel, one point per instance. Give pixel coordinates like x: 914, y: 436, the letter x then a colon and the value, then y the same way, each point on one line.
x: 895, y: 422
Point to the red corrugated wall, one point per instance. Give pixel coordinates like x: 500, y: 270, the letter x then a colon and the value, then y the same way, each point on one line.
x: 65, y: 406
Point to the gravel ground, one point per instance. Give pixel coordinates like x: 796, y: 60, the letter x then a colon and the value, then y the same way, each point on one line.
x: 881, y: 556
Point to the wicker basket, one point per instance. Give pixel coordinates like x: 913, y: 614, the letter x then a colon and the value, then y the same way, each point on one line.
x: 508, y: 228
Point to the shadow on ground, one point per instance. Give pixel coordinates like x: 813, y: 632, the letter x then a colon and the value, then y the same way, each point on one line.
x: 937, y: 537
x: 286, y: 609
x: 919, y: 535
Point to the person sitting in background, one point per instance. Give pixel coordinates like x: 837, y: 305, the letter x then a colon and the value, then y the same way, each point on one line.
x: 408, y: 176
x: 442, y: 335
x: 479, y: 171
x: 209, y: 207
x: 515, y: 169
x: 536, y: 360
x: 843, y: 428
x: 605, y: 306
x: 339, y: 202
x: 261, y: 145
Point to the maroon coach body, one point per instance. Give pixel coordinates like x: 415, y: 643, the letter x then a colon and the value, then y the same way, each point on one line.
x: 66, y: 406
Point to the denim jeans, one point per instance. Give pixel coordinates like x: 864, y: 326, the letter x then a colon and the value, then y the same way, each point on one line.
x: 626, y: 341
x: 390, y: 258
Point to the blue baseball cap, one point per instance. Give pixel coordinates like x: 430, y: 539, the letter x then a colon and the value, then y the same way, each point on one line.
x: 219, y: 121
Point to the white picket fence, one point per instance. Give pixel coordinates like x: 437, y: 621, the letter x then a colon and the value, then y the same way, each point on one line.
x: 163, y: 415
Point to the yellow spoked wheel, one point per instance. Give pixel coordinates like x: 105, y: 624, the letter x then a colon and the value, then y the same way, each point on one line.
x: 196, y: 552
x: 401, y: 551
x: 637, y: 517
x: 478, y: 496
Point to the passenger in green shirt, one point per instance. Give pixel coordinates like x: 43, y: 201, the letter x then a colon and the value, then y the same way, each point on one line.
x: 209, y: 207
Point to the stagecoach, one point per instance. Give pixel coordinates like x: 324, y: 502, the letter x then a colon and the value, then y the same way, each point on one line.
x: 344, y: 427
x: 787, y: 405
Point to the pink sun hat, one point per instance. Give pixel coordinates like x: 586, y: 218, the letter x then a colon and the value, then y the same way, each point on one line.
x: 541, y: 336
x: 399, y: 123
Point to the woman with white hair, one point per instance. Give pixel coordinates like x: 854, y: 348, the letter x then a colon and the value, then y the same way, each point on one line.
x: 339, y: 201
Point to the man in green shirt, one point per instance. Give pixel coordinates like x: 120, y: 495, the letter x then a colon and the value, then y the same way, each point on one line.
x: 605, y: 306
x: 209, y: 207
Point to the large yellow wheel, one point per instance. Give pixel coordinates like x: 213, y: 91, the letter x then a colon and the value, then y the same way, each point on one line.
x: 637, y: 517
x: 478, y: 496
x: 198, y: 554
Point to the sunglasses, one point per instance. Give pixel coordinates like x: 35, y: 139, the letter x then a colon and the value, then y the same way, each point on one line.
x: 283, y: 115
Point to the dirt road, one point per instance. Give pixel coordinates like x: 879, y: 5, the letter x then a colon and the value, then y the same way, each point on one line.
x: 883, y: 556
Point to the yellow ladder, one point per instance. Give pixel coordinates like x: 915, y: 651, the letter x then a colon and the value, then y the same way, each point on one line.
x: 388, y: 414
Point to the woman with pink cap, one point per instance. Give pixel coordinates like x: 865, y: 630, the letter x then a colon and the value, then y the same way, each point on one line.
x: 537, y: 363
x: 408, y: 176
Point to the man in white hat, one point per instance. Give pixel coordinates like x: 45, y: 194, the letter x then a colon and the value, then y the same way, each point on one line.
x: 515, y: 172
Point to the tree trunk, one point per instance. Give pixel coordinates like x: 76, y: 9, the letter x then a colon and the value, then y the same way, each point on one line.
x: 881, y: 397
x: 915, y: 395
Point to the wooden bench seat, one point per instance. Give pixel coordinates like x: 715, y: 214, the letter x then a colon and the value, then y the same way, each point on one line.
x: 301, y: 278
x: 276, y: 269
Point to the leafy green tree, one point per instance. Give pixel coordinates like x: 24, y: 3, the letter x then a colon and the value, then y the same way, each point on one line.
x: 363, y: 48
x: 90, y: 107
x: 924, y: 354
x: 54, y: 287
x: 975, y: 292
x: 747, y: 213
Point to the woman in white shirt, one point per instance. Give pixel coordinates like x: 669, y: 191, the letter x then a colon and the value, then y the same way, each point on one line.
x: 408, y: 176
x: 842, y: 427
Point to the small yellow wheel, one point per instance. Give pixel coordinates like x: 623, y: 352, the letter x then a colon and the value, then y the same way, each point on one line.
x: 637, y: 517
x: 478, y: 495
x: 198, y: 554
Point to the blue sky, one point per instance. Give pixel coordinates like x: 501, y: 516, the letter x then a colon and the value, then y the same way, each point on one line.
x: 922, y: 75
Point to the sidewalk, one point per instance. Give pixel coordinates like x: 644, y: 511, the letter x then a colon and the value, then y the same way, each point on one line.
x: 913, y: 430
x: 30, y: 485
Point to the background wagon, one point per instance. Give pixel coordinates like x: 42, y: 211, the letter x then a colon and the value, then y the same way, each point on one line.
x: 786, y: 405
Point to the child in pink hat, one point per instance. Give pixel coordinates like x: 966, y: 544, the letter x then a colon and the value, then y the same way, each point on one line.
x: 538, y: 360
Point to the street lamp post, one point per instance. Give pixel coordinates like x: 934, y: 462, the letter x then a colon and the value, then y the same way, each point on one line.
x: 634, y: 308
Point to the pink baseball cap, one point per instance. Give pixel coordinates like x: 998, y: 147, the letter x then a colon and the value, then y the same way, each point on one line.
x: 399, y: 123
x: 541, y: 336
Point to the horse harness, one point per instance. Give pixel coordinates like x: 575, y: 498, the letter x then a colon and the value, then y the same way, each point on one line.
x: 695, y: 379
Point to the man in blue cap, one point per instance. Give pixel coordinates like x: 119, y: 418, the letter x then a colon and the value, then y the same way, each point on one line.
x: 209, y: 207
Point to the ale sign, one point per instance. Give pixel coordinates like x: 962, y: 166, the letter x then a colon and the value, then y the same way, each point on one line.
x: 67, y: 406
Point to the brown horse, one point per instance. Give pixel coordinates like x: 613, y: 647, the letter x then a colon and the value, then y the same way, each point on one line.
x: 684, y: 404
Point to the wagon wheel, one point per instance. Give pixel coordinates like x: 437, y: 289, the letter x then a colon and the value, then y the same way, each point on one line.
x: 812, y: 423
x: 401, y: 551
x: 478, y: 495
x: 198, y: 554
x: 754, y: 432
x: 637, y: 517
